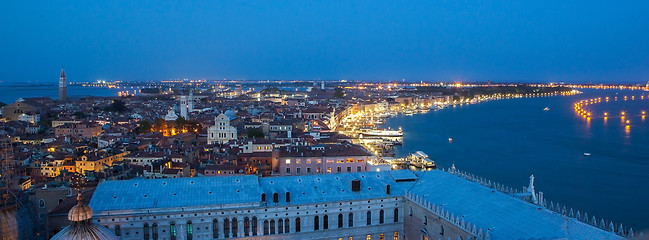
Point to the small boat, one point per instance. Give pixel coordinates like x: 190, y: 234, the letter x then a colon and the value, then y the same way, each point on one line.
x: 586, y: 154
x: 546, y: 109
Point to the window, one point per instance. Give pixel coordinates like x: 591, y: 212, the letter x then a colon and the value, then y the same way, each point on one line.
x: 410, y: 212
x: 316, y: 223
x: 358, y: 169
x: 369, y: 218
x: 369, y: 237
x: 381, y: 236
x: 425, y: 220
x: 266, y: 228
x: 154, y: 231
x: 317, y: 170
x: 263, y: 197
x: 328, y: 169
x: 172, y: 230
x: 288, y: 170
x: 226, y: 227
x: 441, y: 232
x: 340, y: 220
x: 190, y: 230
x: 325, y: 222
x: 387, y: 189
x: 235, y: 227
x: 288, y: 161
x: 146, y: 231
x: 350, y: 160
x: 308, y: 170
x: 297, y: 225
x: 349, y: 169
x: 288, y: 197
x: 338, y: 169
x: 41, y: 203
x: 280, y: 226
x: 396, y: 215
x: 350, y: 222
x: 118, y: 230
x: 381, y: 215
x: 275, y: 197
x: 297, y: 171
x: 254, y: 226
x: 287, y: 226
x: 395, y: 236
x: 215, y: 228
x: 246, y: 226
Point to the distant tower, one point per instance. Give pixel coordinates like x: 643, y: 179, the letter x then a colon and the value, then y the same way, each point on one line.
x: 183, y: 106
x: 63, y: 87
x: 238, y: 90
x: 322, y: 86
x: 191, y: 100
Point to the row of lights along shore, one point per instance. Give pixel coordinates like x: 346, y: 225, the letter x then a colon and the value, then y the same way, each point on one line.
x: 586, y: 114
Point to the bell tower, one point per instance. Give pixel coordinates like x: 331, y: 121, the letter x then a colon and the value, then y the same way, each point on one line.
x: 63, y: 87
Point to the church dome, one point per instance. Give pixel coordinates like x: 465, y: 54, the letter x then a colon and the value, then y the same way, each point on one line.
x: 80, y: 212
x: 80, y: 225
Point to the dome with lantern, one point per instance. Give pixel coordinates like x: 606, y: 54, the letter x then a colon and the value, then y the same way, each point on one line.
x: 80, y: 225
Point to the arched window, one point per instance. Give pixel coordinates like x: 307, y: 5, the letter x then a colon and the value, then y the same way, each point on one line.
x: 350, y: 221
x: 226, y: 227
x: 41, y: 203
x: 266, y: 228
x: 297, y: 224
x: 190, y: 230
x: 275, y: 198
x: 235, y: 227
x: 118, y: 230
x: 254, y: 226
x: 441, y: 231
x: 288, y: 197
x: 395, y: 236
x: 381, y: 236
x: 146, y: 231
x: 369, y: 237
x: 369, y: 218
x: 287, y: 226
x: 325, y: 222
x: 316, y: 223
x: 263, y: 197
x: 425, y: 220
x: 410, y: 212
x: 396, y: 215
x: 280, y: 226
x: 340, y: 220
x: 246, y: 226
x: 387, y: 189
x: 381, y: 215
x: 215, y: 228
x: 272, y: 226
x: 154, y: 231
x: 172, y: 230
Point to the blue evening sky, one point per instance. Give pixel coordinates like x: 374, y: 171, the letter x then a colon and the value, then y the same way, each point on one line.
x: 472, y: 40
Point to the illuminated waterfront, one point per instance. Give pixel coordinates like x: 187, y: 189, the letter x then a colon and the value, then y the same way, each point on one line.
x: 507, y: 140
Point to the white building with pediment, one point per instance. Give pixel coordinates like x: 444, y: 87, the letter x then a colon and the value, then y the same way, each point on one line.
x: 221, y: 132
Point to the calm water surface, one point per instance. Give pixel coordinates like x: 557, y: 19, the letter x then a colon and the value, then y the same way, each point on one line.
x: 12, y: 92
x: 507, y: 140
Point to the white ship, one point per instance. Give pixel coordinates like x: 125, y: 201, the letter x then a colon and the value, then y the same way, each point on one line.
x: 380, y: 133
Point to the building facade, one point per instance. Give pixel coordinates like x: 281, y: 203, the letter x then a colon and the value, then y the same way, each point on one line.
x: 372, y: 205
x: 221, y: 132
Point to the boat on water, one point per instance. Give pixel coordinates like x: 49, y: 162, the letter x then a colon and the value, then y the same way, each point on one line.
x: 586, y: 154
x: 421, y: 160
x: 380, y: 133
x: 546, y: 109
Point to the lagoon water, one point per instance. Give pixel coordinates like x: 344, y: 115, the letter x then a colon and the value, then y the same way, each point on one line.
x: 507, y: 140
x: 12, y: 92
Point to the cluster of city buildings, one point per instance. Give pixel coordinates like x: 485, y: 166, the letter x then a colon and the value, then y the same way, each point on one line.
x: 200, y: 164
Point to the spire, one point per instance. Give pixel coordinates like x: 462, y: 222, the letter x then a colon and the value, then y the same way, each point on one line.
x: 62, y: 72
